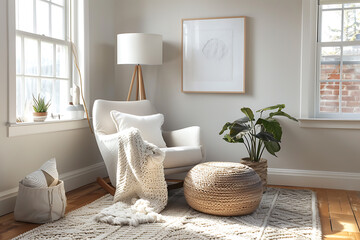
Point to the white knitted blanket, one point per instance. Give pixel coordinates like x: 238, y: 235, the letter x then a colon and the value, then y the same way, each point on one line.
x: 141, y: 191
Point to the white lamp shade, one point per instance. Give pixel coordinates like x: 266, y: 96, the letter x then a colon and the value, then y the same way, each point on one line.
x: 139, y: 48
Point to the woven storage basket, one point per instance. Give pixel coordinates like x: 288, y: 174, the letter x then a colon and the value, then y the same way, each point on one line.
x: 223, y: 188
x: 260, y: 168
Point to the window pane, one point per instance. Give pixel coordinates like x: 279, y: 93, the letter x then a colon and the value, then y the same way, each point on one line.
x: 351, y: 25
x: 25, y: 16
x: 351, y: 63
x: 62, y: 64
x: 350, y: 5
x: 18, y: 55
x: 350, y: 100
x: 30, y: 89
x: 330, y: 63
x: 47, y: 59
x: 42, y: 17
x: 60, y: 99
x: 20, y: 101
x: 330, y: 6
x: 329, y: 97
x: 57, y: 18
x: 59, y: 2
x: 331, y: 26
x: 47, y: 89
x: 31, y: 56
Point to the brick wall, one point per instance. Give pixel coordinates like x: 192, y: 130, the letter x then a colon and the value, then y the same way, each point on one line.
x: 330, y: 91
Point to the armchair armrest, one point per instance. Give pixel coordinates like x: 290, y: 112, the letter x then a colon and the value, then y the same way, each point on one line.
x: 189, y: 136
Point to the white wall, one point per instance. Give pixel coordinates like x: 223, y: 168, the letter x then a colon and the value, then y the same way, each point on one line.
x: 75, y: 149
x: 273, y: 37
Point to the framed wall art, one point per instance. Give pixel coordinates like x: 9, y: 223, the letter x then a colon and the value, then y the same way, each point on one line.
x: 213, y: 55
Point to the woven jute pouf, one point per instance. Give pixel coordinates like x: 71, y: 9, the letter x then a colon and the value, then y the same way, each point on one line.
x: 223, y: 188
x: 260, y: 168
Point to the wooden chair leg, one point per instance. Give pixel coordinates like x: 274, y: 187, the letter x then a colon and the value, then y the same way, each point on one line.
x: 175, y: 183
x: 110, y: 189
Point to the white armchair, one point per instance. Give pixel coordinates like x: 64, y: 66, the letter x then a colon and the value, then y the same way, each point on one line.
x: 183, y: 151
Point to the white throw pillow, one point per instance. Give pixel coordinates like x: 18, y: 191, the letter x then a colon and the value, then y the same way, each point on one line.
x: 149, y: 126
x: 46, y: 176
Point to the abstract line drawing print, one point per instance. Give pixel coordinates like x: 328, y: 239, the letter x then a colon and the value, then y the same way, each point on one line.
x: 215, y: 49
x: 213, y: 55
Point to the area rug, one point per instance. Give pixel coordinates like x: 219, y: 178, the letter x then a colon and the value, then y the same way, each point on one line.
x: 282, y: 214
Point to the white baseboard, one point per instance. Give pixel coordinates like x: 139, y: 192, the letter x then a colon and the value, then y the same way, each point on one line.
x: 83, y: 176
x: 72, y: 180
x: 316, y: 179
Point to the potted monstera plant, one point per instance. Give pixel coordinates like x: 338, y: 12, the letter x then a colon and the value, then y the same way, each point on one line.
x: 40, y: 108
x: 257, y: 134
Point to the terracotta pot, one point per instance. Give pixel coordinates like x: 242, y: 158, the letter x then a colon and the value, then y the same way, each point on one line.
x: 259, y: 167
x: 39, y: 116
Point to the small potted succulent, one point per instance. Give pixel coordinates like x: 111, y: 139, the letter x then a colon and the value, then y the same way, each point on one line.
x: 40, y: 108
x: 257, y: 135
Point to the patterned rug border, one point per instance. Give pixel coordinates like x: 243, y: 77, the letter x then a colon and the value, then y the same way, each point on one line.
x: 316, y: 224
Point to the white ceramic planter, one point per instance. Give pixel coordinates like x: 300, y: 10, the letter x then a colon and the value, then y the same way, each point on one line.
x: 75, y: 112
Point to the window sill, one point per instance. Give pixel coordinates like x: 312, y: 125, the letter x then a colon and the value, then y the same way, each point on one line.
x: 22, y: 129
x: 329, y: 123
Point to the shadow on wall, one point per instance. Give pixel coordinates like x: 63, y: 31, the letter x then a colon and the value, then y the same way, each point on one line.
x: 249, y: 60
x: 102, y: 73
x: 171, y: 51
x: 167, y: 80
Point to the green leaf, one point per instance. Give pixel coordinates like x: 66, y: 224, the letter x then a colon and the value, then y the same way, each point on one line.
x: 242, y: 120
x: 272, y: 147
x: 227, y: 138
x: 266, y: 137
x: 230, y: 139
x: 225, y: 127
x: 235, y: 129
x: 281, y: 113
x: 243, y: 133
x: 271, y: 126
x: 240, y: 140
x: 248, y: 112
x: 278, y: 106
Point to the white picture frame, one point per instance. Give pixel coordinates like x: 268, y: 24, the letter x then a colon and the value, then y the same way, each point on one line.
x: 213, y: 55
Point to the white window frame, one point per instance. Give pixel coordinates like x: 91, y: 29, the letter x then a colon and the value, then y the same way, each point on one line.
x: 54, y: 41
x: 308, y: 75
x: 340, y: 44
x: 81, y: 39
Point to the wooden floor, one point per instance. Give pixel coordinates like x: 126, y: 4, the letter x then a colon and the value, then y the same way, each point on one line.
x: 339, y: 212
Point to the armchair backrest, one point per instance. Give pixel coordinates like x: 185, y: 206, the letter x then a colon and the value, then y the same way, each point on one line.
x: 101, y: 112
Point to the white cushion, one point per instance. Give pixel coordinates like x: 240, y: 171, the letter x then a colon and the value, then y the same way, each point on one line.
x: 182, y: 156
x: 149, y: 126
x: 46, y: 176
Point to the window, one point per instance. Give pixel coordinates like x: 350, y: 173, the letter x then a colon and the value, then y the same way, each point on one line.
x: 43, y: 55
x: 338, y: 59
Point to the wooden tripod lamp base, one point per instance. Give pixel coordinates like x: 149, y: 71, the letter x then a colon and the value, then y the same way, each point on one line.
x: 140, y: 88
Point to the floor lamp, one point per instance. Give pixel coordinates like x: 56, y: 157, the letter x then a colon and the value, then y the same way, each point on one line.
x: 139, y: 49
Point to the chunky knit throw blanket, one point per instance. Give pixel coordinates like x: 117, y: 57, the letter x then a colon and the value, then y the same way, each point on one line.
x: 141, y: 191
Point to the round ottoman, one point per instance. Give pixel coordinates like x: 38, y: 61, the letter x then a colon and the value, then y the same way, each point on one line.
x: 223, y: 188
